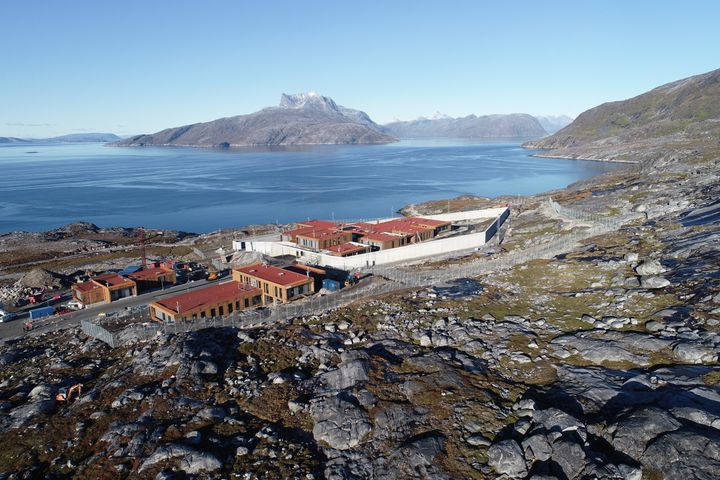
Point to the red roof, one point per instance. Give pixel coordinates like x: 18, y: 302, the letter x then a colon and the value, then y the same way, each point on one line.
x: 85, y: 286
x: 219, y: 293
x: 320, y: 224
x: 111, y: 279
x: 380, y: 237
x: 347, y: 247
x: 149, y: 274
x: 319, y: 233
x: 272, y: 274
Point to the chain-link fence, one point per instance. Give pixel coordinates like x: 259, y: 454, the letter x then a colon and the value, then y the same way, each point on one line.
x: 274, y: 314
x: 557, y: 246
x: 397, y: 278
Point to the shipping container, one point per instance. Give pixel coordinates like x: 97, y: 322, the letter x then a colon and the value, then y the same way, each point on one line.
x: 332, y: 285
x: 41, y: 312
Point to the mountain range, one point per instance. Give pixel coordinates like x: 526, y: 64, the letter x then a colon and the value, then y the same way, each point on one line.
x: 516, y: 125
x: 679, y: 118
x: 71, y: 138
x: 299, y: 119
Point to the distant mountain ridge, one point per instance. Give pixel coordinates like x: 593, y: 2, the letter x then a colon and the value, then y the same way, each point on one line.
x: 299, y: 119
x: 553, y: 123
x: 70, y: 138
x: 515, y: 125
x: 681, y: 117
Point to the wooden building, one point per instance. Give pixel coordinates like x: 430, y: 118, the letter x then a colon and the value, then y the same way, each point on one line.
x: 277, y: 284
x: 104, y: 288
x: 214, y: 301
x: 153, y: 278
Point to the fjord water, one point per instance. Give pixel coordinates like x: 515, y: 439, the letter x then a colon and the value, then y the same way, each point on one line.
x: 200, y: 190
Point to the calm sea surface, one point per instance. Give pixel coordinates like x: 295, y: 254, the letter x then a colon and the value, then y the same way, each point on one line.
x: 200, y: 190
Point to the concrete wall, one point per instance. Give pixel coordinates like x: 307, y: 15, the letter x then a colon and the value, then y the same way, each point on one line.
x: 411, y: 252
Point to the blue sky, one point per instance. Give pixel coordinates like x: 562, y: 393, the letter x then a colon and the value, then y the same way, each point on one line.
x: 140, y: 66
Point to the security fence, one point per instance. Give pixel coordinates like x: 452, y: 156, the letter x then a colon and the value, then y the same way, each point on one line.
x: 397, y: 278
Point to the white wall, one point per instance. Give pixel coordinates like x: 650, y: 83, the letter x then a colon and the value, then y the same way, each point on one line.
x: 410, y: 252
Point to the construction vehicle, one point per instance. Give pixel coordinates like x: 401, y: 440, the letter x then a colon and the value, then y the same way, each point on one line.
x: 65, y: 394
x: 212, y: 275
x: 352, y: 279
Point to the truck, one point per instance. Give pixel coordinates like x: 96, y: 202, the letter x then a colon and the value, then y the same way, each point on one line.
x: 6, y: 316
x: 41, y: 312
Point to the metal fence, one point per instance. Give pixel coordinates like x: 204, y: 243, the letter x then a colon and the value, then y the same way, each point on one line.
x: 397, y: 278
x: 418, y: 277
x: 274, y: 314
x: 97, y: 331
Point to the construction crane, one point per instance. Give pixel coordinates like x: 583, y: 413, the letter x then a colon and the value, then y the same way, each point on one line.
x: 141, y: 240
x: 65, y: 394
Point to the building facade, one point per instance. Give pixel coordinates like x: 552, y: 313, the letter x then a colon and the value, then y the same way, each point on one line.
x: 209, y: 302
x: 277, y: 284
x: 104, y: 288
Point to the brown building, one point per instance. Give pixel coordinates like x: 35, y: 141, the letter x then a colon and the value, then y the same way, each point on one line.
x: 383, y: 241
x: 153, y: 278
x: 104, y: 288
x: 215, y: 301
x: 277, y: 284
x: 341, y: 239
x: 348, y: 249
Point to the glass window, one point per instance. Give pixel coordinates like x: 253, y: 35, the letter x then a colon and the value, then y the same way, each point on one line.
x: 212, y: 312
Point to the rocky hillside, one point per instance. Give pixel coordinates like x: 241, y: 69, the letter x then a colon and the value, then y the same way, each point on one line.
x: 517, y: 125
x: 301, y: 119
x: 599, y: 363
x: 681, y: 118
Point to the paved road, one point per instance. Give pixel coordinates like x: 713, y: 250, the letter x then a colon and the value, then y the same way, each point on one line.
x: 14, y: 328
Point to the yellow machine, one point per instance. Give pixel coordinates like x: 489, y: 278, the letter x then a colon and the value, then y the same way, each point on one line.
x: 66, y: 394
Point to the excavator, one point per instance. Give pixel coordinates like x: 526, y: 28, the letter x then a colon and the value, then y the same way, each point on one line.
x: 65, y: 394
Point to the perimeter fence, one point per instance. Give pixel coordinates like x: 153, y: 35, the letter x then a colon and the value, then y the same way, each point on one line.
x: 397, y: 278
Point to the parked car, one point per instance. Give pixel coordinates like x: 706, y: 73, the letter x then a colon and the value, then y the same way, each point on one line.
x: 75, y: 305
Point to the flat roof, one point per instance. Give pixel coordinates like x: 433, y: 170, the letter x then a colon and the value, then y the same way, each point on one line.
x: 307, y: 268
x: 149, y: 273
x: 219, y: 293
x: 111, y: 279
x: 347, y: 247
x: 85, y: 286
x: 320, y: 233
x: 380, y: 236
x: 320, y: 223
x: 272, y: 274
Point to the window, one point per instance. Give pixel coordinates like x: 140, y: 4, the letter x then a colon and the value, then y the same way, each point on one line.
x: 212, y: 312
x: 266, y: 288
x: 194, y: 317
x: 230, y: 308
x: 202, y: 314
x: 221, y: 311
x: 237, y: 304
x: 247, y: 302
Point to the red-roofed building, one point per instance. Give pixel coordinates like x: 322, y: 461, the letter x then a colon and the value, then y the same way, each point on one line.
x: 277, y: 284
x: 347, y: 249
x: 330, y: 236
x: 104, y: 288
x: 152, y: 278
x: 215, y: 301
